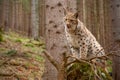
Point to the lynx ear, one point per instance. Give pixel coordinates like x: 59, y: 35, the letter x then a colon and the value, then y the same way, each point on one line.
x: 65, y: 11
x: 76, y: 15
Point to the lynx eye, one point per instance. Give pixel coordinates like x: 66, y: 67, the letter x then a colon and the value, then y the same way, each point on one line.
x: 65, y: 19
x: 71, y: 20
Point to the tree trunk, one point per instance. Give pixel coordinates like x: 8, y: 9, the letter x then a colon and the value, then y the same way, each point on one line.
x: 115, y: 8
x: 55, y: 36
x: 42, y: 18
x: 34, y: 19
x: 61, y: 73
x: 1, y: 12
x: 6, y: 15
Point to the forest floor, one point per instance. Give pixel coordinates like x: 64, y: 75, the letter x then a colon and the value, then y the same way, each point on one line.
x: 20, y: 58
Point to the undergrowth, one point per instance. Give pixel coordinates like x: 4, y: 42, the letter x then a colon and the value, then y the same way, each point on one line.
x: 83, y: 71
x: 20, y: 57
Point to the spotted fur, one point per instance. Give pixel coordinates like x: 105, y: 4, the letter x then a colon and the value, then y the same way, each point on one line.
x: 81, y: 41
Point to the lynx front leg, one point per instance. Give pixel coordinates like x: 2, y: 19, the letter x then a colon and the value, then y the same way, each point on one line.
x: 83, y: 52
x: 75, y: 52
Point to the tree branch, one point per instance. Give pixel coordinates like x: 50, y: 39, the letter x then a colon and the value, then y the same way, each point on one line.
x: 104, y: 56
x: 51, y: 59
x: 77, y: 60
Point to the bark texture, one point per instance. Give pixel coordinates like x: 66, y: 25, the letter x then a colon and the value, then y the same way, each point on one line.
x: 115, y: 9
x: 55, y: 36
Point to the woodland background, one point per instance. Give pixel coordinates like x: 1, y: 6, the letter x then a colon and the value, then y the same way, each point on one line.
x: 44, y: 18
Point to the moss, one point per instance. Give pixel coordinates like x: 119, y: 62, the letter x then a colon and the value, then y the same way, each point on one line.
x: 1, y: 38
x: 11, y: 52
x: 79, y: 71
x: 83, y: 71
x: 1, y: 35
x: 29, y: 45
x: 28, y: 55
x: 39, y: 58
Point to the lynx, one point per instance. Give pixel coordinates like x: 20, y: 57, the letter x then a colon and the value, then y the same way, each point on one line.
x: 81, y: 41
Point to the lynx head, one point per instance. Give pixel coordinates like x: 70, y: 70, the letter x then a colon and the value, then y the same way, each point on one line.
x: 71, y: 21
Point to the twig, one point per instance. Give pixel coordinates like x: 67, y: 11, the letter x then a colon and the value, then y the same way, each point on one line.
x: 94, y: 69
x: 6, y: 74
x: 4, y: 62
x: 104, y: 56
x: 77, y: 60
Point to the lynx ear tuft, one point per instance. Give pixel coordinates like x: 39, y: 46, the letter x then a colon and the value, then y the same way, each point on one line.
x: 65, y: 11
x: 76, y: 15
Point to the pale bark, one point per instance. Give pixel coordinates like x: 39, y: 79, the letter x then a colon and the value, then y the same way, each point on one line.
x: 84, y: 12
x: 61, y: 67
x: 54, y: 34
